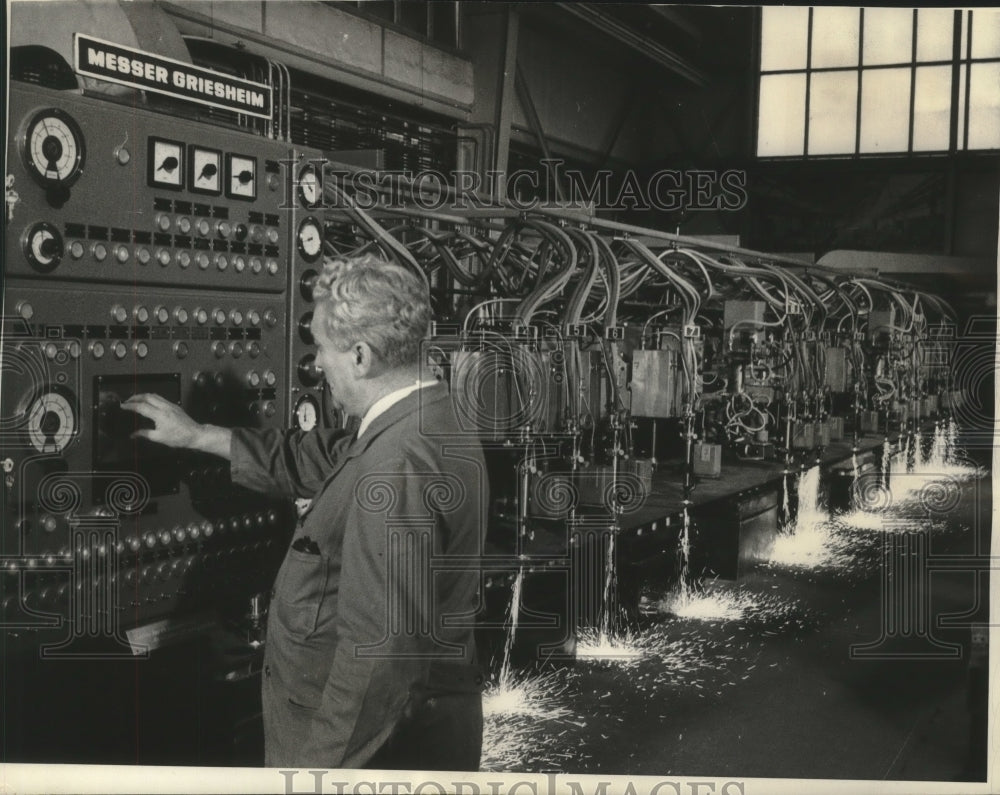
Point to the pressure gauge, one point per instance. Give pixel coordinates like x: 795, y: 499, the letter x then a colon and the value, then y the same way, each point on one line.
x: 306, y: 413
x: 309, y: 186
x: 310, y: 240
x: 241, y: 177
x: 205, y: 170
x: 53, y: 148
x: 165, y: 164
x: 51, y: 422
x: 43, y: 246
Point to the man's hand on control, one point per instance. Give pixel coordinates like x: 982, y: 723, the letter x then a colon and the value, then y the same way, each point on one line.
x: 173, y: 428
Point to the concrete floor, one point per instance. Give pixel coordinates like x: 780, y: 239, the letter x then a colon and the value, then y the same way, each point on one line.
x: 773, y: 693
x: 777, y: 693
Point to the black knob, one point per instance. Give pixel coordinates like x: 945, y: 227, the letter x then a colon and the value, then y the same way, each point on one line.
x: 241, y: 232
x: 50, y: 424
x: 310, y: 373
x: 51, y: 248
x: 307, y: 283
x: 52, y: 150
x: 305, y: 328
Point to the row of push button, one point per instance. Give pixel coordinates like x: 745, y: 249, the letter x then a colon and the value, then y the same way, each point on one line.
x: 164, y: 256
x: 204, y: 227
x: 142, y: 315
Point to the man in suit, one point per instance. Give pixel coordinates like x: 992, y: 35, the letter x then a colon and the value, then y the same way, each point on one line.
x: 369, y: 659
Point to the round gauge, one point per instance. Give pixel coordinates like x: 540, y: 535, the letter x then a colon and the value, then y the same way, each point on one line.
x: 309, y: 186
x: 43, y: 246
x: 306, y: 413
x: 310, y: 240
x: 53, y: 148
x: 51, y: 422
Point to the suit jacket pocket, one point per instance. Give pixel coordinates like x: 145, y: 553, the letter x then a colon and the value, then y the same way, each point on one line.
x: 299, y: 591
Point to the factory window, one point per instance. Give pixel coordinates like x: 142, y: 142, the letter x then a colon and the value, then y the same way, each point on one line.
x: 436, y: 21
x: 847, y: 81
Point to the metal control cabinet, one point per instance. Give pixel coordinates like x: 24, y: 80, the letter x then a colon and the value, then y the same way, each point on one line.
x: 146, y: 253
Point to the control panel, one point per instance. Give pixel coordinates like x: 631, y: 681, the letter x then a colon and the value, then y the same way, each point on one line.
x: 125, y: 195
x: 71, y: 358
x: 144, y: 254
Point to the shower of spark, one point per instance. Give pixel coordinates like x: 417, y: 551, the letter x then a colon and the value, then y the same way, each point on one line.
x: 721, y: 602
x: 657, y: 657
x: 671, y: 655
x: 624, y: 647
x: 704, y: 606
x: 609, y: 606
x: 941, y: 463
x: 939, y: 448
x: 810, y: 513
x: 814, y: 546
x: 807, y: 541
x: 935, y: 460
x: 868, y: 524
x: 684, y: 550
x: 535, y: 696
x: 917, y: 452
x: 524, y: 723
x: 863, y: 520
x: 513, y: 612
x: 786, y: 509
x: 956, y: 465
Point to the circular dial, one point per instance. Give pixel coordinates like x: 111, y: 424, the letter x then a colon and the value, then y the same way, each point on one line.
x: 53, y: 148
x: 51, y: 422
x: 309, y: 187
x: 310, y: 240
x: 43, y: 246
x: 306, y: 413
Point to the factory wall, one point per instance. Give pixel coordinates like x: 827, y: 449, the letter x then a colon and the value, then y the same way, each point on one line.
x: 333, y: 43
x: 580, y: 93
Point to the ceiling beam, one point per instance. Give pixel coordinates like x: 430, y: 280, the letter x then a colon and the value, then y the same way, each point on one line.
x: 637, y: 41
x: 675, y: 18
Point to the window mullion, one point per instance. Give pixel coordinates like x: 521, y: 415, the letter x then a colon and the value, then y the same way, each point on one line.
x: 805, y: 121
x: 956, y: 61
x: 913, y: 82
x: 861, y: 62
x: 968, y: 80
x: 883, y: 117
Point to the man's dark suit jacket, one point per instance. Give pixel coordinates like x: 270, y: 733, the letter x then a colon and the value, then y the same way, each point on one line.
x: 371, y: 617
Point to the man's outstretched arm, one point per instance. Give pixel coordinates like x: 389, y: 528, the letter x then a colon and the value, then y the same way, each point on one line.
x: 289, y: 463
x: 174, y: 428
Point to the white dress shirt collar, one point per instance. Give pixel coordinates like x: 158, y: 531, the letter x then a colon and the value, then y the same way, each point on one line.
x: 381, y: 405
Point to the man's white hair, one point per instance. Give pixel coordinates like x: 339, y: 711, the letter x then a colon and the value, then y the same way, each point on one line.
x: 367, y: 299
